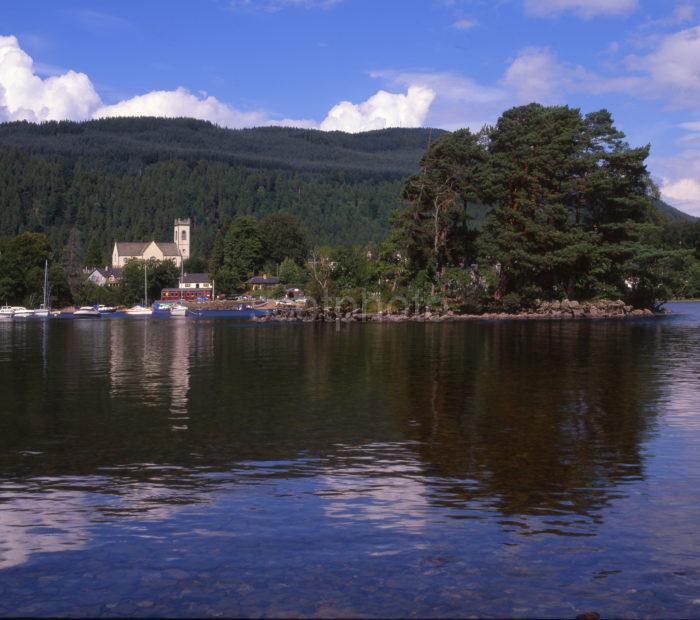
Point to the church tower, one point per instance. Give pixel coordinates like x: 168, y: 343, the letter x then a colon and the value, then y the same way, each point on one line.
x: 182, y: 237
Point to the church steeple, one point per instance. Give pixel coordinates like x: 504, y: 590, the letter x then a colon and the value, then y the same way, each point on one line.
x: 182, y: 237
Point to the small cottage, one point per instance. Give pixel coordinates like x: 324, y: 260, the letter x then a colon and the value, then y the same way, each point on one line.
x: 107, y: 276
x: 196, y: 280
x: 261, y: 283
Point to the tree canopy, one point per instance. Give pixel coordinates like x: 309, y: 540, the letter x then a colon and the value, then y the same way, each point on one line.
x: 571, y: 209
x: 549, y: 203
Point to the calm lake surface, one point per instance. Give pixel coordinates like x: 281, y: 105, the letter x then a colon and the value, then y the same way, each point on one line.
x: 215, y: 467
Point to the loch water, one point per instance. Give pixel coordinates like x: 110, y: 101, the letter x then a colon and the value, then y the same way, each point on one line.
x: 219, y: 467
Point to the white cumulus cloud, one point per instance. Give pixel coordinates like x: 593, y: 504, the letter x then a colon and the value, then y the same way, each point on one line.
x: 673, y: 68
x: 535, y: 75
x: 583, y: 8
x: 26, y: 96
x: 683, y: 193
x: 459, y: 100
x: 178, y: 103
x: 68, y: 95
x: 380, y: 111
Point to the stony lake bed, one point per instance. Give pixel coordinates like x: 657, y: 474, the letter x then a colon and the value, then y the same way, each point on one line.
x: 218, y: 467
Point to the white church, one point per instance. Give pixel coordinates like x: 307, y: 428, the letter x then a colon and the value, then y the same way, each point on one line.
x: 177, y: 251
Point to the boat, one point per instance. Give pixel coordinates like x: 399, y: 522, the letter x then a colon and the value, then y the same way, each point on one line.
x: 102, y: 309
x: 138, y: 310
x: 6, y: 312
x: 87, y: 312
x: 142, y: 310
x: 20, y: 312
x: 44, y: 310
x: 178, y: 311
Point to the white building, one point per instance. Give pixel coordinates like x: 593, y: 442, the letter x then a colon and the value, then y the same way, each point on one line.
x: 108, y: 276
x: 176, y: 251
x: 196, y: 280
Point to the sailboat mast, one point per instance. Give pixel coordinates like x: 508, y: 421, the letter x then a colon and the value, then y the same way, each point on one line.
x: 145, y: 285
x: 46, y: 284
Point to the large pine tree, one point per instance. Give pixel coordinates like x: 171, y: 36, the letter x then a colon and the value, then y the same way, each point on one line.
x: 571, y: 209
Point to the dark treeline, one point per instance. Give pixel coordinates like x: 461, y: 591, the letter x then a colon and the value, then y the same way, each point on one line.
x: 547, y: 204
x: 51, y: 195
x: 573, y: 215
x: 129, y: 143
x: 128, y: 178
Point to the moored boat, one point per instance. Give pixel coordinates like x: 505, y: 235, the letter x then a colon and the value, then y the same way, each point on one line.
x: 43, y: 311
x: 6, y: 312
x: 20, y: 312
x: 102, y: 309
x: 87, y: 312
x: 138, y: 311
x: 142, y: 310
x: 178, y: 311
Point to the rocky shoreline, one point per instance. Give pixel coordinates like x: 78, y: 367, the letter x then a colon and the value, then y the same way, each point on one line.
x: 550, y: 310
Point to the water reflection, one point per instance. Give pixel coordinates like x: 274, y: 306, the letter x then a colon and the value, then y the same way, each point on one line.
x: 402, y: 454
x: 549, y: 418
x: 542, y: 418
x: 57, y: 522
x: 152, y: 361
x: 380, y: 484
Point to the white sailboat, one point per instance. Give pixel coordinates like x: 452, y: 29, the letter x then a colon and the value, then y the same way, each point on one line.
x: 179, y: 310
x: 144, y: 310
x: 43, y: 311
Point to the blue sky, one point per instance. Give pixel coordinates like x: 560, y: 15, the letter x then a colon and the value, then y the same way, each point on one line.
x: 355, y: 65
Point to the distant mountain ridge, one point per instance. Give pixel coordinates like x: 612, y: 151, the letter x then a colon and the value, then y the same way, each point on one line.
x: 381, y: 152
x: 128, y: 178
x: 672, y: 213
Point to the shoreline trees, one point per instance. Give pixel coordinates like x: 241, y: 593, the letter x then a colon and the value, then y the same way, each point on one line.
x: 571, y: 211
x: 547, y: 204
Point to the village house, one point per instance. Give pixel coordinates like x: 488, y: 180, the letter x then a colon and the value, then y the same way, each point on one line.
x: 260, y: 283
x: 196, y: 280
x: 177, y: 250
x: 106, y: 276
x: 191, y: 287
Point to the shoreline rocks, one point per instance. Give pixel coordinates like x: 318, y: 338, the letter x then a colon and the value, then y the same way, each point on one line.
x: 548, y: 310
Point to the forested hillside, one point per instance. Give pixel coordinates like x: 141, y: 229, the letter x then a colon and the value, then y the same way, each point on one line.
x: 128, y: 178
x: 573, y: 211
